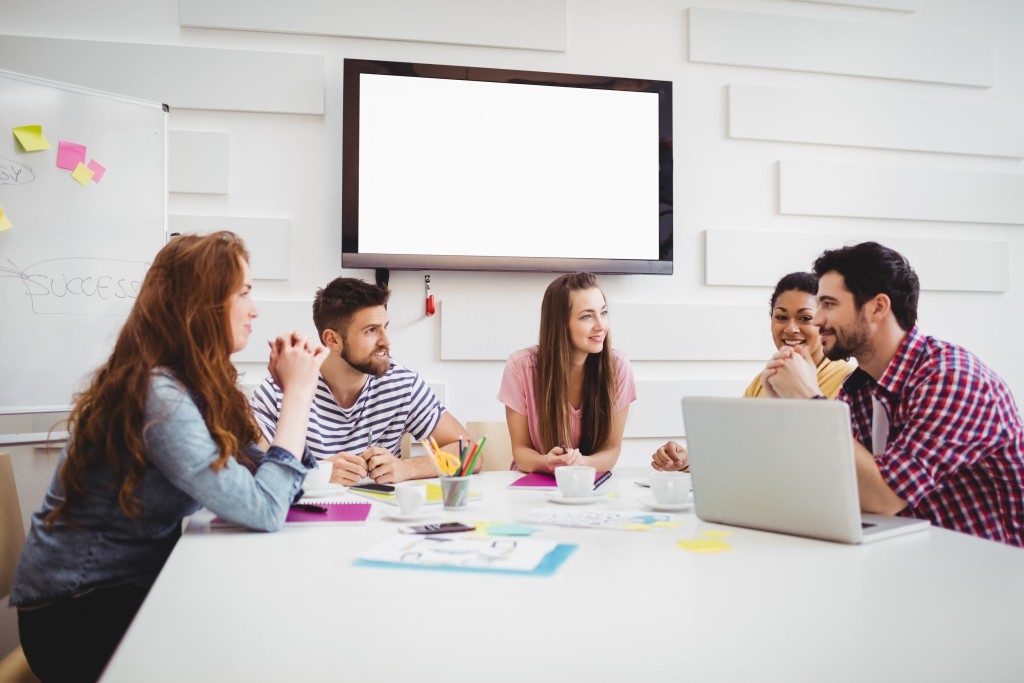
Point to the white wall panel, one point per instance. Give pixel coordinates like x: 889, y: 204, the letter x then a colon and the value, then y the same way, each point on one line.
x: 862, y: 119
x: 657, y: 411
x: 901, y: 5
x: 529, y: 24
x: 267, y: 239
x: 835, y: 47
x: 275, y: 318
x: 182, y: 77
x: 643, y: 331
x: 198, y: 162
x: 870, y: 191
x: 951, y: 265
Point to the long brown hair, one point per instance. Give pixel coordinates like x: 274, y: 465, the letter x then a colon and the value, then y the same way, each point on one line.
x: 554, y: 358
x: 179, y: 322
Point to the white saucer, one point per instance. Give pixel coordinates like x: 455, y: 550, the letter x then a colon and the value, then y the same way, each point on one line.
x: 326, y: 492
x: 651, y: 504
x: 399, y: 517
x: 557, y: 497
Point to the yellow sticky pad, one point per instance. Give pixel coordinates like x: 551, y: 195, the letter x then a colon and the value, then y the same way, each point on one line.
x: 5, y: 222
x: 31, y: 138
x: 636, y: 527
x: 704, y: 545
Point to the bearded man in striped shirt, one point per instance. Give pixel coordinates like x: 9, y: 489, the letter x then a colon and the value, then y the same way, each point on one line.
x: 364, y: 401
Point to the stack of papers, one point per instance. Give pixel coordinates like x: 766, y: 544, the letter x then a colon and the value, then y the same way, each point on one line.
x: 459, y: 552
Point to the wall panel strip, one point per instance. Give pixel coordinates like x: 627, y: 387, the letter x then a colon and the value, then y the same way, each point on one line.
x: 929, y: 194
x: 198, y: 162
x: 837, y: 47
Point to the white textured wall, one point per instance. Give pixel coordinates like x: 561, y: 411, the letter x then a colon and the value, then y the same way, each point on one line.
x: 286, y: 165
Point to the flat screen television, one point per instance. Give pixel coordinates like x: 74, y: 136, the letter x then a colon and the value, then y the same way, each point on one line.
x: 465, y: 168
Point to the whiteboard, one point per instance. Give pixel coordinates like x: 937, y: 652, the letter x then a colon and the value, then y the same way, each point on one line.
x: 72, y: 262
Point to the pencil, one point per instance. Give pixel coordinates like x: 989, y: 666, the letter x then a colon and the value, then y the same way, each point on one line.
x: 476, y: 454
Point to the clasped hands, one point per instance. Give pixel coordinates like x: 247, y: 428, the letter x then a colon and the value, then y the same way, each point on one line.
x: 561, y: 457
x: 790, y: 374
x: 375, y: 462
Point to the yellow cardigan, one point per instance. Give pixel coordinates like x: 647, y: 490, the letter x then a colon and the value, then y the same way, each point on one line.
x: 831, y: 375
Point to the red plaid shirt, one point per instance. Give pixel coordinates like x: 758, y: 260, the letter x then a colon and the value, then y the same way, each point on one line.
x: 955, y: 451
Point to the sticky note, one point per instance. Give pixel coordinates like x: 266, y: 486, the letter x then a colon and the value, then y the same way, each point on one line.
x: 70, y: 154
x: 31, y: 138
x: 97, y: 170
x: 636, y: 527
x: 704, y: 545
x: 82, y: 174
x: 5, y: 222
x: 510, y: 530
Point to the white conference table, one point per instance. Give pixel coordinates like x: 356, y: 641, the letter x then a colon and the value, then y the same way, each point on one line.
x: 626, y: 606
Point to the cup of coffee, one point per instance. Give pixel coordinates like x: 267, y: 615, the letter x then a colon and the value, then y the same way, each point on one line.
x: 319, y: 477
x: 410, y: 497
x: 670, y: 488
x: 575, y: 481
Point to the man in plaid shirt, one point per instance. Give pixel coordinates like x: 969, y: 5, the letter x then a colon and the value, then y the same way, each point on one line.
x: 937, y: 434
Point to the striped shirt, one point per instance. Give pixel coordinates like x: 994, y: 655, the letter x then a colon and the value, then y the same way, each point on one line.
x: 955, y: 446
x: 387, y: 407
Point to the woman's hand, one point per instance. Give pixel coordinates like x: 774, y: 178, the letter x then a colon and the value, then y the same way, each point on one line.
x: 670, y: 458
x: 559, y: 457
x: 295, y: 363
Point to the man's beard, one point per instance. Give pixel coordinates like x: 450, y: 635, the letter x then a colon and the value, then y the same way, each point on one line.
x: 378, y: 367
x: 850, y: 341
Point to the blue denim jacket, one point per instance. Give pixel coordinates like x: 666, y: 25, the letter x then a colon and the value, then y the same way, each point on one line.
x: 97, y: 545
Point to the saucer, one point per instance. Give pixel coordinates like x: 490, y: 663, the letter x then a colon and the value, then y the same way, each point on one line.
x: 415, y: 517
x: 326, y: 492
x: 557, y: 497
x: 651, y: 504
x: 646, y: 483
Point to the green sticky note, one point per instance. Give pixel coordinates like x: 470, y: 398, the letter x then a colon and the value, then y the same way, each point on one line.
x: 510, y: 530
x: 31, y: 138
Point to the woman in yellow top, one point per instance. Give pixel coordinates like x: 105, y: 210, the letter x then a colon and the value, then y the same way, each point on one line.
x: 793, y: 305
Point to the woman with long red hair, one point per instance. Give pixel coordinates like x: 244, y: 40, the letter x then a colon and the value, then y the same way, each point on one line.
x: 567, y: 399
x: 161, y: 431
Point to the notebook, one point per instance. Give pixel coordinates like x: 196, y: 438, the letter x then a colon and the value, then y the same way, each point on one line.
x: 781, y: 465
x: 337, y: 513
x: 541, y: 481
x: 433, y: 494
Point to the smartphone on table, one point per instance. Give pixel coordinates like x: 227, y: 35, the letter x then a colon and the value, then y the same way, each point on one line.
x: 443, y: 528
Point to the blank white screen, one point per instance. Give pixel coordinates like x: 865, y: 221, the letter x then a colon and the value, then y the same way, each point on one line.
x: 450, y: 167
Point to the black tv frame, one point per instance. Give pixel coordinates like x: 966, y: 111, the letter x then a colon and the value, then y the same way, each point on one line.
x: 351, y: 257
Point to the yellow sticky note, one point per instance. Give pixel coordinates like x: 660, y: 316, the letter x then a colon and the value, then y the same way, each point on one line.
x: 5, y: 222
x: 715, y: 533
x: 636, y: 527
x: 82, y: 173
x: 31, y: 138
x: 704, y: 545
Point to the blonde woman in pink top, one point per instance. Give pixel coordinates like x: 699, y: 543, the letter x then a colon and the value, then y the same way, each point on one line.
x: 567, y: 399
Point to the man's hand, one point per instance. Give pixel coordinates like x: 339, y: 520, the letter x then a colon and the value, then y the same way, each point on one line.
x: 791, y: 374
x: 670, y: 458
x: 383, y: 467
x: 347, y: 468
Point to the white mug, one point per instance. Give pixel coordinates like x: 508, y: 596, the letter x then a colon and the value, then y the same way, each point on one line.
x: 670, y: 488
x: 318, y: 478
x: 575, y: 481
x: 410, y: 497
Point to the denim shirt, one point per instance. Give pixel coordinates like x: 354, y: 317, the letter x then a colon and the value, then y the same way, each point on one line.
x: 97, y: 545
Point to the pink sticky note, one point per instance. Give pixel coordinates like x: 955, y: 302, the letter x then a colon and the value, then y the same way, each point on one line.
x: 97, y: 170
x: 70, y: 154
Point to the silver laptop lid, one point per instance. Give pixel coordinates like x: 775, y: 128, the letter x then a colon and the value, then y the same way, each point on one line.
x: 778, y: 465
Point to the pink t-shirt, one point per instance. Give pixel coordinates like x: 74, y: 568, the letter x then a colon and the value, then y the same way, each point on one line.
x: 519, y: 381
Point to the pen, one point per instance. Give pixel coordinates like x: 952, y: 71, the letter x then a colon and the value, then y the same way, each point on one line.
x: 602, y: 478
x: 309, y: 507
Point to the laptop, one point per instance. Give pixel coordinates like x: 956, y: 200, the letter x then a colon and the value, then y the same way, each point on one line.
x: 780, y: 465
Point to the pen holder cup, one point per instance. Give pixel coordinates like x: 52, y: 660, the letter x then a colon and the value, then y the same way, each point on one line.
x: 454, y: 492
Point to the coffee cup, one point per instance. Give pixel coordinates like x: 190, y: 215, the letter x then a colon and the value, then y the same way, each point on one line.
x: 319, y: 477
x: 575, y: 481
x: 670, y: 488
x: 410, y: 497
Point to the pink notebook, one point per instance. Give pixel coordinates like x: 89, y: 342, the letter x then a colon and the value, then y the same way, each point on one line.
x: 538, y: 481
x: 337, y: 513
